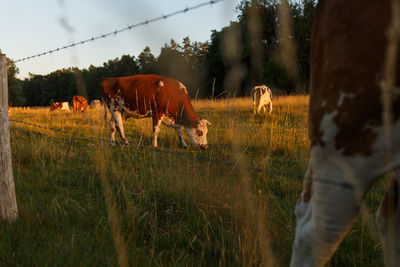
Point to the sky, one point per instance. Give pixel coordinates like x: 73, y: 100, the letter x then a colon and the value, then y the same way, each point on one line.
x: 31, y: 27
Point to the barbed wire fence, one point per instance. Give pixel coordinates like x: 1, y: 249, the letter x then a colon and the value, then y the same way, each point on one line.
x: 118, y: 31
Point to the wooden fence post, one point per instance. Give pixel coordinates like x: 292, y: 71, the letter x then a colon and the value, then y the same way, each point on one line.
x: 8, y: 201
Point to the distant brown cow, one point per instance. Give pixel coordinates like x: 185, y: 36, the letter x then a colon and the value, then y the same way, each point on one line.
x: 79, y: 103
x: 349, y: 139
x: 166, y: 99
x: 59, y: 106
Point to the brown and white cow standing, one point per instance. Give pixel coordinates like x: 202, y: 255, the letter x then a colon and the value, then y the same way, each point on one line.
x: 79, y: 103
x: 346, y: 130
x: 262, y: 99
x: 59, y: 106
x: 165, y: 98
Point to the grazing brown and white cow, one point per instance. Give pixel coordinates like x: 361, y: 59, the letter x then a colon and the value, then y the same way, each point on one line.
x: 262, y: 98
x: 79, y: 103
x: 59, y: 106
x: 165, y: 98
x: 346, y: 129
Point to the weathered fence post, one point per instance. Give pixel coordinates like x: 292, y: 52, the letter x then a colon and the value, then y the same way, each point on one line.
x: 8, y: 201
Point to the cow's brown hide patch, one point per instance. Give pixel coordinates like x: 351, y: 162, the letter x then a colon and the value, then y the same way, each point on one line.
x: 337, y: 68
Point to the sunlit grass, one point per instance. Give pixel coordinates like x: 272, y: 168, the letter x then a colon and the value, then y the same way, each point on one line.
x: 163, y: 208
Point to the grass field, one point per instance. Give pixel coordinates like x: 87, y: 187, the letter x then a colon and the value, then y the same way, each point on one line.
x: 139, y: 207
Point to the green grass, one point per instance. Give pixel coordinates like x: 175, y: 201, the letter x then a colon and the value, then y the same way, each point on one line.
x: 123, y: 205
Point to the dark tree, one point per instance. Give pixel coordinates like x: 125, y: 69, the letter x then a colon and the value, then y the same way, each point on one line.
x: 239, y: 56
x: 147, y: 62
x: 15, y: 92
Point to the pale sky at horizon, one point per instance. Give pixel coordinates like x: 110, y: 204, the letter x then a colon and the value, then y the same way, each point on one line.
x: 33, y: 27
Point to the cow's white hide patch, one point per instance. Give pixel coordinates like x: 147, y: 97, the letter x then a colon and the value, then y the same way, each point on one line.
x: 156, y: 130
x: 183, y: 88
x: 160, y: 83
x: 328, y: 128
x: 65, y: 106
x: 357, y: 170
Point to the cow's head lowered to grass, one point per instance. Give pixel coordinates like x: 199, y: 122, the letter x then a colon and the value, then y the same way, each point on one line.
x: 198, y: 134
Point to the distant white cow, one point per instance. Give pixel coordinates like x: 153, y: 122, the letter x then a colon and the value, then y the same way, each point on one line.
x: 95, y: 103
x: 262, y: 97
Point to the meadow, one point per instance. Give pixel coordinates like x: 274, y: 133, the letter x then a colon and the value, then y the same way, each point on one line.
x: 84, y: 203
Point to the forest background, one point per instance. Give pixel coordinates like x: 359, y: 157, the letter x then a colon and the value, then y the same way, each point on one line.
x: 205, y: 68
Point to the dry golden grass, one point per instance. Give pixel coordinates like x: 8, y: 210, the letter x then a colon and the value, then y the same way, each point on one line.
x: 137, y: 206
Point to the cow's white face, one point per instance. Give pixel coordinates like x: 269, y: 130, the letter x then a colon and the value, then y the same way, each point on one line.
x: 198, y: 135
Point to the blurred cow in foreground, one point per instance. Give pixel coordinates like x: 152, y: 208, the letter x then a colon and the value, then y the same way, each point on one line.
x: 351, y: 148
x: 79, y: 103
x: 95, y: 103
x: 59, y: 106
x: 262, y: 98
x: 166, y: 99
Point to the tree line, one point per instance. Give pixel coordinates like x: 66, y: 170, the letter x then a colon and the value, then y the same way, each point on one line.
x: 239, y: 56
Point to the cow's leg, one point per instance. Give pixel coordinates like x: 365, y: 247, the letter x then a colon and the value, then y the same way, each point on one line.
x: 270, y: 107
x: 120, y: 126
x: 179, y: 133
x: 388, y: 221
x: 264, y: 108
x: 156, y: 129
x: 259, y: 107
x: 324, y: 212
x: 112, y: 131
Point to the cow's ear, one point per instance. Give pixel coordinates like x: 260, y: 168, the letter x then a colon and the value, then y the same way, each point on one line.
x: 204, y: 122
x: 159, y: 83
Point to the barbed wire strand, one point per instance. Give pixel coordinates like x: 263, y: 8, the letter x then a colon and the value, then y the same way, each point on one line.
x: 114, y: 33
